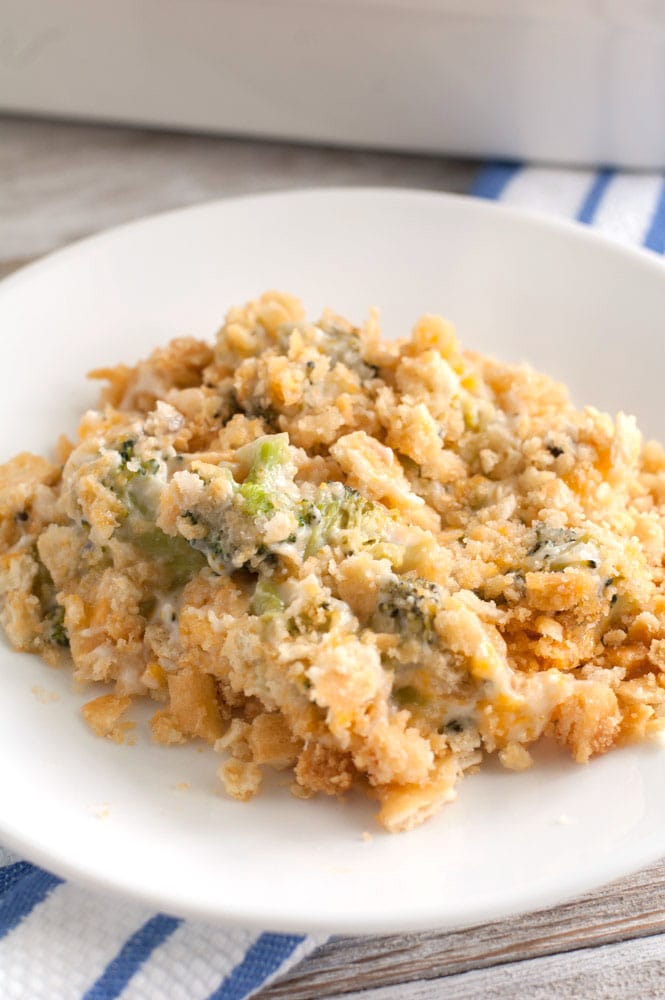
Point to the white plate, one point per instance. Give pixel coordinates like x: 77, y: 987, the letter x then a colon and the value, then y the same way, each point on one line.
x: 111, y: 816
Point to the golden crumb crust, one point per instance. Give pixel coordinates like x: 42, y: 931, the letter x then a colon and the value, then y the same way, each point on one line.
x: 367, y: 563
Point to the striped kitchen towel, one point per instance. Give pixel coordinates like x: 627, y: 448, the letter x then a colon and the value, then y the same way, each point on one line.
x: 627, y: 207
x: 62, y: 942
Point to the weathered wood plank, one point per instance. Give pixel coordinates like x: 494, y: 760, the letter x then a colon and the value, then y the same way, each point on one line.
x: 60, y: 181
x: 612, y: 972
x: 630, y: 908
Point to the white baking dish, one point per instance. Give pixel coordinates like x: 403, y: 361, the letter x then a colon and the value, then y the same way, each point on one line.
x: 563, y: 80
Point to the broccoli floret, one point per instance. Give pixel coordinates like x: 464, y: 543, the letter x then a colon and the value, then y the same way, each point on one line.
x: 178, y: 560
x: 266, y: 599
x: 344, y: 346
x: 317, y: 618
x: 126, y: 452
x: 140, y: 467
x: 232, y: 533
x: 341, y: 346
x: 337, y: 516
x: 342, y: 509
x: 263, y: 411
x: 216, y: 550
x: 235, y: 529
x: 409, y: 697
x: 257, y: 499
x: 138, y: 482
x: 260, y: 490
x: 408, y: 607
x: 557, y: 548
x: 340, y: 515
x: 57, y: 632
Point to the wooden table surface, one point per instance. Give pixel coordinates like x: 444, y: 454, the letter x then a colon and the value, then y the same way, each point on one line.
x: 59, y: 182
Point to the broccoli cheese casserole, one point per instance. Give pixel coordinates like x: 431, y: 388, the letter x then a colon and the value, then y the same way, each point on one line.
x: 367, y: 563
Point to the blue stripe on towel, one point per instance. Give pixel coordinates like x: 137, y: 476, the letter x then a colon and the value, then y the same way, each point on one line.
x: 655, y: 237
x: 589, y: 206
x: 11, y: 874
x: 264, y: 958
x: 27, y: 890
x: 492, y: 180
x: 134, y: 952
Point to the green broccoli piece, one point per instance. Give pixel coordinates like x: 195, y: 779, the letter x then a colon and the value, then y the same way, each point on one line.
x: 235, y: 529
x: 408, y: 607
x: 257, y: 502
x: 57, y: 632
x: 136, y: 482
x: 338, y: 514
x: 178, y: 561
x: 557, y: 548
x: 409, y: 697
x: 145, y: 468
x: 261, y: 489
x: 126, y: 452
x: 266, y: 599
x: 139, y: 487
x: 341, y: 346
x: 345, y: 347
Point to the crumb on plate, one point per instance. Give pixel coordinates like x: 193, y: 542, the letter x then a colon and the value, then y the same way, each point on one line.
x: 43, y: 696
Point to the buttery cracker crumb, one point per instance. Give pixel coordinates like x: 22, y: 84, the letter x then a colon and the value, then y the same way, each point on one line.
x: 515, y: 757
x: 43, y: 696
x: 299, y: 791
x: 103, y: 715
x: 241, y: 780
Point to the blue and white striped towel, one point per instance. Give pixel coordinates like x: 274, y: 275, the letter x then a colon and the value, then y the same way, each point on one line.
x: 60, y: 942
x: 627, y: 207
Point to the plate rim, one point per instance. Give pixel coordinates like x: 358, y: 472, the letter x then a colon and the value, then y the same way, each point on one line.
x: 541, y: 219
